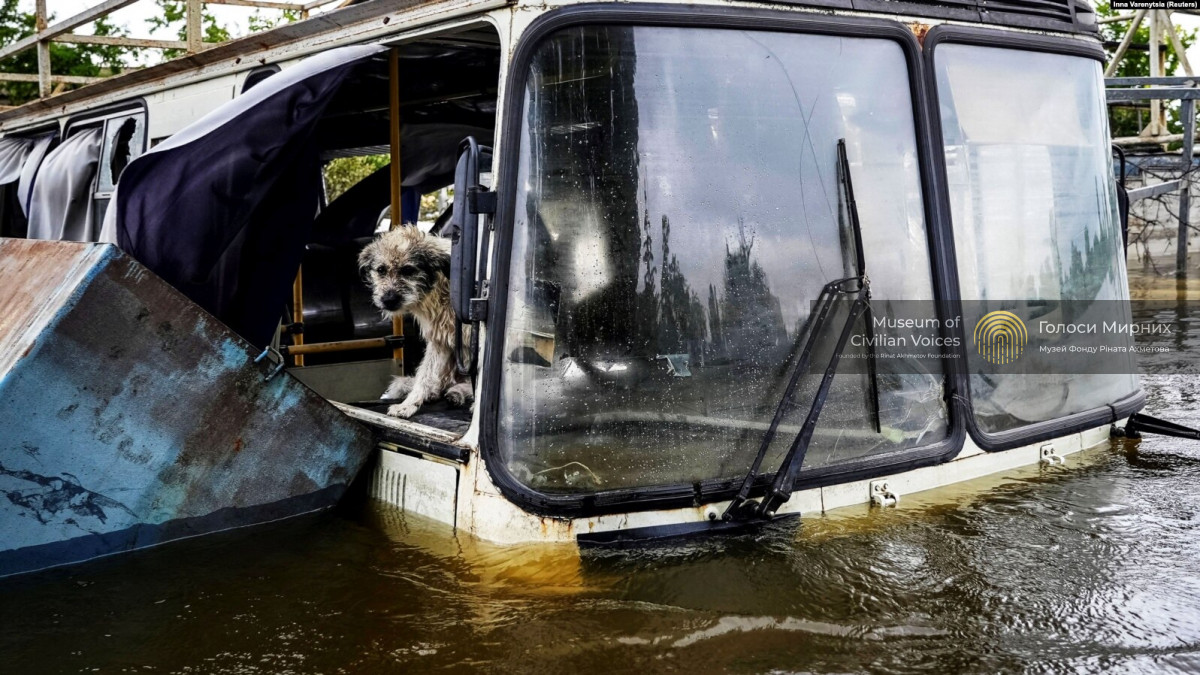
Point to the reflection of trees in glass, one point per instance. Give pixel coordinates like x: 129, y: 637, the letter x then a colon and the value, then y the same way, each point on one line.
x: 739, y: 320
x: 751, y: 318
x: 681, y: 315
x: 1080, y: 272
x: 717, y: 345
x: 647, y: 307
x: 1092, y: 266
x: 671, y: 321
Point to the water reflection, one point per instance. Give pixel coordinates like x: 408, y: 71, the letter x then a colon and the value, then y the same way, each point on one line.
x: 1083, y: 567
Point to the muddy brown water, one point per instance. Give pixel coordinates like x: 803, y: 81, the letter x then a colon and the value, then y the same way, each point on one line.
x: 1092, y: 566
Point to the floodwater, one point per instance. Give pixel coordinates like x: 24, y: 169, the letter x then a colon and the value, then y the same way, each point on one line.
x: 1091, y: 566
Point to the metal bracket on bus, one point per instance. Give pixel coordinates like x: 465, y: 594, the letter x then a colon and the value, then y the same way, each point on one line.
x: 480, y: 201
x: 882, y: 494
x: 276, y: 358
x: 479, y: 309
x: 1050, y: 456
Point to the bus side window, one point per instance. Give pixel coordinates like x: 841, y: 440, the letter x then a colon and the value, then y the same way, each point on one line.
x: 256, y: 76
x: 124, y: 140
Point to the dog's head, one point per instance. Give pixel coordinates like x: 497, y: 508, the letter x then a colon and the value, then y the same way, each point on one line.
x: 403, y: 266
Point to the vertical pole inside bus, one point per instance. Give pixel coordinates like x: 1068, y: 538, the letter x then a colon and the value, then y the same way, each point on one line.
x: 298, y: 314
x: 397, y: 216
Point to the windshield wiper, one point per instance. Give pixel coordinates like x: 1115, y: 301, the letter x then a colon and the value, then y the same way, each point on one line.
x: 780, y: 489
x: 781, y: 486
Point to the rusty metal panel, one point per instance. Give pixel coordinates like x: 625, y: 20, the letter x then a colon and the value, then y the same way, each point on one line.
x: 36, y: 278
x: 130, y: 417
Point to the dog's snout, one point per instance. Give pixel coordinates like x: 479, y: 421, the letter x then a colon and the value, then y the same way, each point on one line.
x: 390, y: 300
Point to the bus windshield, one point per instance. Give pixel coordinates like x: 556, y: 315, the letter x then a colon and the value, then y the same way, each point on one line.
x: 677, y: 214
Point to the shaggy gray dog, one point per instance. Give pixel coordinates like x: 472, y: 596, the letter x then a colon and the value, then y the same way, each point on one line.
x: 408, y: 272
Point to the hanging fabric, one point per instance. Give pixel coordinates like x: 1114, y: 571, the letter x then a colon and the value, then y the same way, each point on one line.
x: 60, y: 204
x: 13, y: 153
x: 222, y: 209
x: 33, y: 162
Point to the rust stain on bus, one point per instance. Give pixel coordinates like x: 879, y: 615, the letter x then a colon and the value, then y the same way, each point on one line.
x: 919, y: 29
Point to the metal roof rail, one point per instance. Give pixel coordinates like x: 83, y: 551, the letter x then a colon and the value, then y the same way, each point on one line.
x: 61, y: 31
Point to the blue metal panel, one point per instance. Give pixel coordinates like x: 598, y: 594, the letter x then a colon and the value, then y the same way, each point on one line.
x: 133, y: 417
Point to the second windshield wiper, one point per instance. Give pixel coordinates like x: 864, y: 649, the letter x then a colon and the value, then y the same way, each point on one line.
x: 780, y: 490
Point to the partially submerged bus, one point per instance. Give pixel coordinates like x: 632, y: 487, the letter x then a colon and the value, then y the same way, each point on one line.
x: 696, y: 244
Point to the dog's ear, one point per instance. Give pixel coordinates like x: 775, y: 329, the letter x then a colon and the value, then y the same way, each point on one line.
x: 366, y: 259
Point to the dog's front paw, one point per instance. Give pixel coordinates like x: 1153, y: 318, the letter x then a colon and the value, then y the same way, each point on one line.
x: 405, y: 410
x: 459, y: 395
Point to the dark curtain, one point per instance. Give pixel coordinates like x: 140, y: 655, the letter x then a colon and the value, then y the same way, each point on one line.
x: 223, y: 209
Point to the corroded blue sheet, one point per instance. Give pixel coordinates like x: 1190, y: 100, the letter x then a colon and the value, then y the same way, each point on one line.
x: 130, y: 417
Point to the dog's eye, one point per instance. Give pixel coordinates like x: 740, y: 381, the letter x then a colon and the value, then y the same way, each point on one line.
x: 408, y: 270
x: 381, y: 270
